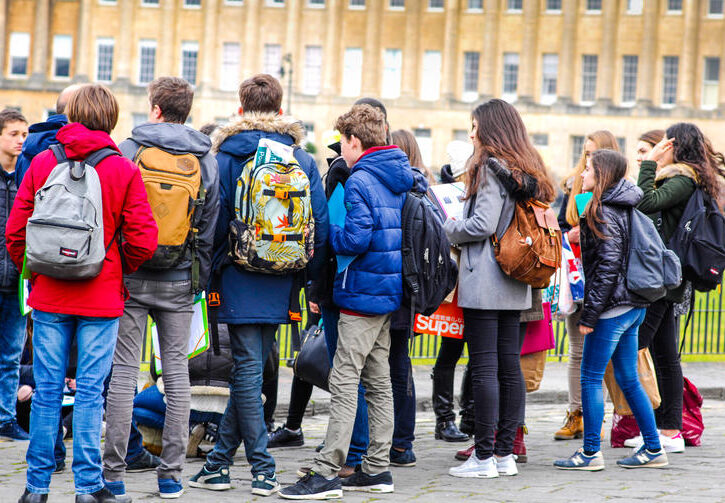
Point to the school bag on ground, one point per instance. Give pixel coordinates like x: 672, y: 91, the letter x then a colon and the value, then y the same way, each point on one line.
x: 273, y: 230
x: 652, y: 268
x: 64, y: 235
x: 699, y: 242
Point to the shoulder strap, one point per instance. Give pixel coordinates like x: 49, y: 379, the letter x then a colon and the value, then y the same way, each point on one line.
x: 96, y: 157
x: 59, y: 152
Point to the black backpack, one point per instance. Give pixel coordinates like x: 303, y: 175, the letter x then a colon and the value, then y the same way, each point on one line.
x: 699, y: 242
x: 429, y: 273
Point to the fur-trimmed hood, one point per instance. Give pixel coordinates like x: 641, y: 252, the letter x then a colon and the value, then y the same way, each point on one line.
x: 673, y: 170
x: 256, y: 124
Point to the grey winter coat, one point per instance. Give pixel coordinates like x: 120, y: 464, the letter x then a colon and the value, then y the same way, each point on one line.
x: 481, y: 282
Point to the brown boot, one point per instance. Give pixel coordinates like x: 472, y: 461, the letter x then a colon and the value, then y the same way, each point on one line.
x: 573, y: 426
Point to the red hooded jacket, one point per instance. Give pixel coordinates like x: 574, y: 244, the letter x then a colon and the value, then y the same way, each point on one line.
x: 124, y: 204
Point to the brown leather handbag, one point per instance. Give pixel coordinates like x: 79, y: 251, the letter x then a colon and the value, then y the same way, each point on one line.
x: 530, y: 249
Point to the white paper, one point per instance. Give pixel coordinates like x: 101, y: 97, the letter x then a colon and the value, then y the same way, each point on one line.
x: 450, y: 198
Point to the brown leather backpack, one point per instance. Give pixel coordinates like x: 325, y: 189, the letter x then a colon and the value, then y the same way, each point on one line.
x: 530, y: 249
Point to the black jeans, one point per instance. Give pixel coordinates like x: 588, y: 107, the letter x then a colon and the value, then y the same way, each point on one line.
x: 498, y: 385
x: 298, y: 400
x: 401, y: 377
x: 659, y: 332
x: 444, y: 370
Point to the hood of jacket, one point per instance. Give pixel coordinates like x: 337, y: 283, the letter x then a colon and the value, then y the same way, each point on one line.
x: 420, y: 182
x: 241, y: 136
x: 80, y: 142
x: 522, y: 189
x: 42, y: 134
x: 672, y: 170
x: 625, y: 194
x: 389, y: 165
x: 171, y: 137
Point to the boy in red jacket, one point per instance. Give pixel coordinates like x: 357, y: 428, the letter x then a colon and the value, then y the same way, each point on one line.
x: 87, y: 310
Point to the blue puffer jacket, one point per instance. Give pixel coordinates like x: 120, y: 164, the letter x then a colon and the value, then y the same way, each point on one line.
x: 374, y: 198
x: 40, y: 137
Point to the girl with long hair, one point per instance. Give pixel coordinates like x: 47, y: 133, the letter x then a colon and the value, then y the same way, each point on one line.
x: 504, y: 168
x: 647, y: 142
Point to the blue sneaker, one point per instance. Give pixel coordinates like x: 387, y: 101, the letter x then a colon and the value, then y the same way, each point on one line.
x: 645, y: 458
x: 405, y: 458
x: 118, y: 488
x: 313, y: 487
x: 361, y: 481
x: 170, y: 488
x: 580, y: 461
x: 214, y: 480
x: 11, y: 430
x: 265, y: 486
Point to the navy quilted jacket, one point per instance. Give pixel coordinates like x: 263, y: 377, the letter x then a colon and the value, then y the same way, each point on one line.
x: 374, y: 198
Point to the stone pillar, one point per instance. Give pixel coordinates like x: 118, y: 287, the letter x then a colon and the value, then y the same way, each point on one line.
x: 125, y: 46
x: 252, y: 46
x: 332, y: 52
x: 567, y: 63
x: 721, y: 85
x: 490, y: 56
x: 372, y: 57
x: 688, y: 59
x: 293, y: 46
x: 40, y: 42
x: 83, y: 45
x: 410, y: 84
x: 607, y: 65
x: 450, y: 54
x: 527, y: 73
x: 646, y: 73
x: 3, y: 37
x: 208, y: 51
x: 168, y: 53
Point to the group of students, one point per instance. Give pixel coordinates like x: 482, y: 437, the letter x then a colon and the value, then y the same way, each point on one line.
x: 149, y: 270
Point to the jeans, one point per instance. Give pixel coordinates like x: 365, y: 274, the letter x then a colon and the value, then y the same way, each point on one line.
x: 401, y: 375
x: 149, y: 409
x: 615, y: 339
x: 12, y: 335
x: 243, y: 419
x: 360, y: 431
x: 52, y: 335
x: 299, y: 398
x: 499, y: 392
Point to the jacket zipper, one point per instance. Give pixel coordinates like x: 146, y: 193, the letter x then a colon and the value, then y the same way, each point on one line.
x: 344, y: 278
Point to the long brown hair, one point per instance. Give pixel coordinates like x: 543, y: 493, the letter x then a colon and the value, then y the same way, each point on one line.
x: 603, y: 139
x: 653, y: 137
x: 690, y: 148
x: 501, y: 134
x: 407, y: 143
x: 609, y: 168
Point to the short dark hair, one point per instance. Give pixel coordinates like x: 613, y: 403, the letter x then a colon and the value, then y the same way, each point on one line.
x: 174, y: 97
x: 10, y: 115
x: 94, y: 106
x: 261, y: 93
x: 365, y: 123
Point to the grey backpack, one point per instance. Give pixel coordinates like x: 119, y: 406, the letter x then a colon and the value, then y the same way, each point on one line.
x: 64, y: 235
x: 653, y: 268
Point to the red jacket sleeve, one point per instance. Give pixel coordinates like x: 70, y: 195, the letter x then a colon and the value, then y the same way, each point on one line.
x: 19, y: 215
x: 139, y: 229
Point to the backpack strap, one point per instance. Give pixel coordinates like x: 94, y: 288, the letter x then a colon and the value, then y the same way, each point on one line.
x: 96, y: 157
x: 687, y: 322
x: 59, y: 153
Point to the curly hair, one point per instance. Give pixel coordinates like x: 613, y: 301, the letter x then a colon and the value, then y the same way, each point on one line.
x: 690, y: 147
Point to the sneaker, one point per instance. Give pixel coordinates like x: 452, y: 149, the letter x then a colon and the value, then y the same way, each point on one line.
x: 344, y: 472
x: 265, y: 486
x: 11, y: 430
x: 476, y: 468
x: 635, y: 442
x: 29, y: 497
x: 580, y: 461
x: 573, y: 426
x: 464, y: 454
x: 644, y: 458
x: 170, y: 488
x: 674, y: 444
x: 313, y: 487
x: 144, y: 462
x: 196, y: 435
x: 214, y: 480
x: 320, y: 446
x: 364, y: 482
x: 118, y: 488
x: 284, y: 437
x: 59, y: 466
x: 506, y: 465
x: 405, y: 458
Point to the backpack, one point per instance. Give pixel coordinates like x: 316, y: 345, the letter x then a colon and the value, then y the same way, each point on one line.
x: 652, y: 268
x: 176, y: 194
x: 273, y: 230
x: 64, y: 235
x: 429, y: 273
x: 699, y: 242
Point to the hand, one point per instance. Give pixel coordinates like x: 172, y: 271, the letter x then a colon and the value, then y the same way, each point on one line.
x: 574, y: 235
x: 584, y: 330
x: 314, y: 308
x: 659, y: 150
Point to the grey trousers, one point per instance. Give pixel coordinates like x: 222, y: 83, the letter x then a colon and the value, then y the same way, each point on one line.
x: 362, y: 353
x: 170, y: 303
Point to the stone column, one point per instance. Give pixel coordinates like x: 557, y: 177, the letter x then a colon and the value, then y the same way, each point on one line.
x: 252, y: 46
x: 646, y: 76
x: 410, y: 84
x: 168, y: 54
x: 372, y: 57
x: 208, y: 51
x: 450, y: 51
x: 687, y: 71
x: 721, y: 84
x: 607, y: 65
x: 3, y: 37
x: 292, y: 45
x: 527, y: 73
x: 126, y: 43
x: 332, y: 52
x: 40, y: 42
x: 83, y: 45
x: 490, y: 56
x: 567, y: 63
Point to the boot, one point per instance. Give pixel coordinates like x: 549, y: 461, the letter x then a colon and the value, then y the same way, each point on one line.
x: 573, y: 426
x: 29, y: 497
x: 520, y: 446
x: 102, y: 496
x: 468, y: 413
x: 443, y: 394
x: 448, y: 432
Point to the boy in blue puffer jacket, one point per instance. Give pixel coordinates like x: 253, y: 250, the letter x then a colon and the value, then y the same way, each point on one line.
x: 367, y: 292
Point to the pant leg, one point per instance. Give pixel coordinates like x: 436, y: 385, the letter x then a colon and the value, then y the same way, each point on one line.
x: 666, y: 356
x: 443, y: 376
x: 59, y: 450
x: 512, y: 391
x: 576, y: 347
x: 135, y: 443
x: 12, y: 336
x: 149, y: 408
x: 522, y: 335
x: 299, y: 398
x: 404, y: 404
x: 270, y: 384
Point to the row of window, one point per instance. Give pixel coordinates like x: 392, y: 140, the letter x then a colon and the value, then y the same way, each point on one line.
x: 20, y: 52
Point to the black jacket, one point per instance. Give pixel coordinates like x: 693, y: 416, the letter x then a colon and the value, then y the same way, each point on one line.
x: 8, y: 272
x: 606, y: 260
x: 209, y: 369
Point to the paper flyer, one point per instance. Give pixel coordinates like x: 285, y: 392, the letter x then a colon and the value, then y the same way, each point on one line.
x: 449, y: 197
x: 337, y: 214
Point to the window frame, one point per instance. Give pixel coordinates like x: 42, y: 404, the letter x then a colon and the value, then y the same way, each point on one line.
x: 591, y: 80
x: 627, y: 79
x: 549, y: 98
x: 355, y: 4
x: 474, y: 9
x: 514, y: 10
x: 508, y: 95
x: 397, y: 73
x: 548, y: 10
x: 226, y: 70
x: 471, y: 75
x: 425, y: 94
x: 307, y: 67
x: 672, y: 81
x: 25, y: 37
x: 104, y: 41
x: 346, y: 74
x: 146, y: 44
x: 266, y: 65
x: 55, y: 58
x: 194, y: 6
x: 709, y: 82
x: 588, y: 10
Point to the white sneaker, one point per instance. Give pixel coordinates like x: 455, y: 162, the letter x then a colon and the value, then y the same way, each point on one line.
x: 506, y: 465
x: 674, y: 444
x: 634, y: 441
x: 476, y: 468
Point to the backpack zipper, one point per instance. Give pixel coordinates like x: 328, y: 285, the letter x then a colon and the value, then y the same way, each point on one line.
x: 63, y: 226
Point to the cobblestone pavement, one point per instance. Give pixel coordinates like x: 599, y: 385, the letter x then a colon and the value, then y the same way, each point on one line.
x: 695, y: 476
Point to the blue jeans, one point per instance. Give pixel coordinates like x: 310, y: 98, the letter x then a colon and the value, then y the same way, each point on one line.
x: 615, y: 339
x: 243, y: 418
x: 149, y: 409
x: 52, y: 336
x: 401, y: 375
x: 12, y: 334
x: 360, y: 432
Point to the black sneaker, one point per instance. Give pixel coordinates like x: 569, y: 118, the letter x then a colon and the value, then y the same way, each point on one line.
x: 102, y: 496
x: 361, y: 481
x: 283, y: 437
x: 12, y: 431
x: 29, y: 497
x: 59, y: 466
x: 313, y: 487
x: 144, y: 462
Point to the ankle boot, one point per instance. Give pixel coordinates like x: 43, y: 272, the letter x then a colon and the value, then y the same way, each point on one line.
x: 468, y: 413
x: 443, y: 394
x: 102, y: 496
x: 448, y: 432
x: 519, y: 445
x: 29, y: 497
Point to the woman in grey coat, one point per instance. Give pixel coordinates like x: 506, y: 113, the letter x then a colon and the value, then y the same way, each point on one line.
x: 504, y: 169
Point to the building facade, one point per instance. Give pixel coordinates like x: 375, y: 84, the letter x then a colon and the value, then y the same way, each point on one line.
x: 570, y: 66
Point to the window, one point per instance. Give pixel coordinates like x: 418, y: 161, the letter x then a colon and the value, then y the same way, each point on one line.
x: 231, y: 56
x: 357, y: 4
x: 397, y: 4
x: 549, y: 74
x: 669, y: 79
x: 553, y: 5
x: 189, y: 57
x: 392, y: 73
x: 62, y: 50
x: 19, y: 52
x: 233, y: 2
x: 674, y: 6
x: 622, y: 143
x: 425, y: 143
x: 577, y: 147
x: 430, y: 90
x: 515, y: 5
x: 352, y: 75
x: 470, y: 75
x: 274, y: 3
x: 147, y: 61
x: 104, y: 59
x: 107, y: 2
x: 316, y: 3
x: 194, y: 4
x: 711, y: 83
x: 634, y: 6
x: 313, y: 70
x: 435, y: 4
x: 629, y: 78
x: 540, y: 139
x: 475, y: 5
x: 461, y: 135
x: 273, y: 59
x: 510, y: 75
x: 589, y: 77
x: 150, y: 3
x: 594, y: 5
x: 715, y: 8
x: 309, y: 133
